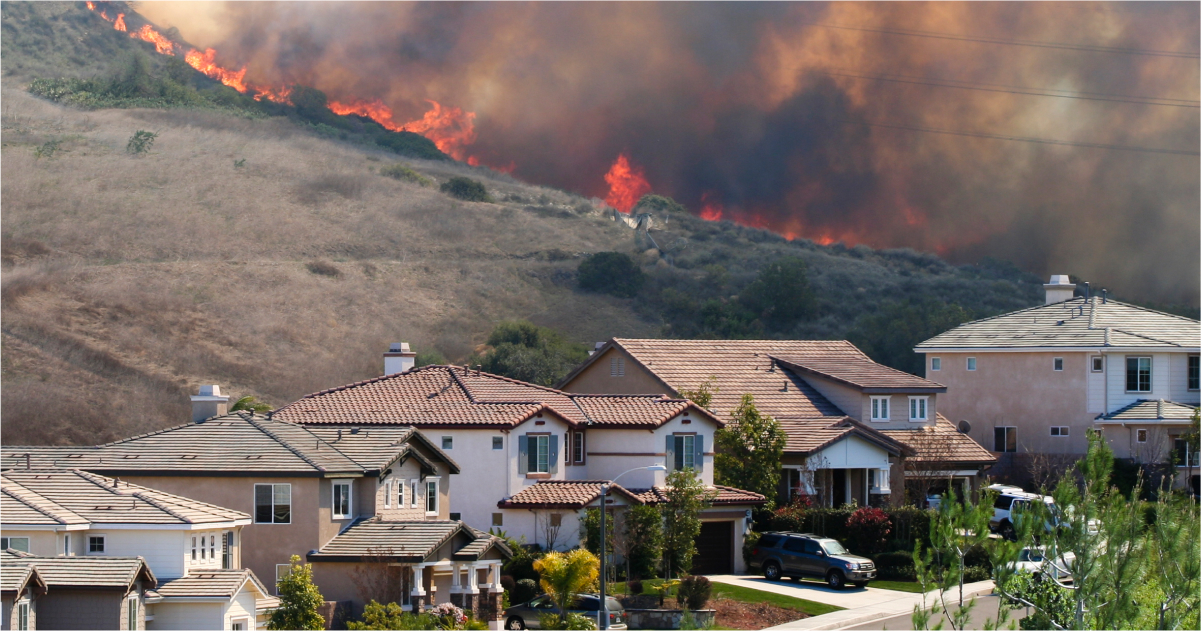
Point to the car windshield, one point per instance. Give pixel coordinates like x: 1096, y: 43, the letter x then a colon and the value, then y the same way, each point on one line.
x: 833, y: 547
x: 1031, y: 555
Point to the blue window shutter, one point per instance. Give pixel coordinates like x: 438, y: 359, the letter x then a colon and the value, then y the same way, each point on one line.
x: 671, y: 452
x: 553, y: 455
x: 700, y: 453
x: 523, y: 454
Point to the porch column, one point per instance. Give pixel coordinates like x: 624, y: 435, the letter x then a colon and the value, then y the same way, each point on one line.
x: 472, y: 597
x: 494, y: 599
x: 417, y: 594
x: 456, y: 589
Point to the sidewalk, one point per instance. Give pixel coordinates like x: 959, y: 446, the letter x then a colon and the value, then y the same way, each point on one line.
x: 861, y: 605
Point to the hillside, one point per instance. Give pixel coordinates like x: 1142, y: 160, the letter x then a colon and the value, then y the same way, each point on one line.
x: 255, y: 253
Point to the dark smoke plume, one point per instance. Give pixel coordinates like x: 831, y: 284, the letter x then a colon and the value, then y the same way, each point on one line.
x: 761, y: 110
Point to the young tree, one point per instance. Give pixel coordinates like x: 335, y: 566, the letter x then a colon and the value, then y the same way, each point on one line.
x: 686, y: 498
x: 703, y: 394
x: 298, y: 600
x: 590, y: 531
x: 955, y: 529
x: 644, y: 532
x: 1175, y: 561
x: 749, y: 450
x: 565, y: 574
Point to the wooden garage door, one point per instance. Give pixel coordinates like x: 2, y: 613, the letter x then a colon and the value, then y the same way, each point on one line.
x: 714, y: 548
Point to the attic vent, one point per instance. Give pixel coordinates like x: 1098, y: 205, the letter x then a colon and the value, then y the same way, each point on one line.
x: 103, y: 508
x: 41, y: 477
x: 188, y: 456
x: 255, y: 457
x: 132, y: 457
x: 74, y: 455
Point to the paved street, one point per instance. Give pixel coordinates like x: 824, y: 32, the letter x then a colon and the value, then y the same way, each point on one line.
x: 986, y: 608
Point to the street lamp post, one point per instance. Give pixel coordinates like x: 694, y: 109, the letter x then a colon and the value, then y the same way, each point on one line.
x: 602, y: 616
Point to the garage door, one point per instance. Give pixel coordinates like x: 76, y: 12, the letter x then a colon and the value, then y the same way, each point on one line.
x: 714, y: 548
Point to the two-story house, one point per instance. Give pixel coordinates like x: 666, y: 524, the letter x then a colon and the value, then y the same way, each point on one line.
x: 856, y: 430
x: 510, y: 436
x: 74, y: 592
x: 1033, y: 381
x: 192, y: 548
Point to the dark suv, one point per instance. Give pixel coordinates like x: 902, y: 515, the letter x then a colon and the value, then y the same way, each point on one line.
x: 797, y: 555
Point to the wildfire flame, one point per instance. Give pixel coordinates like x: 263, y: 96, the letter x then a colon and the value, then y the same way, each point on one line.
x: 450, y: 128
x: 373, y: 109
x: 119, y: 24
x: 205, y: 63
x: 627, y: 184
x: 711, y: 209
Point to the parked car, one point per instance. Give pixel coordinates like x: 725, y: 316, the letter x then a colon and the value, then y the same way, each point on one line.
x: 1034, y: 560
x: 1010, y: 504
x: 798, y: 555
x: 525, y: 615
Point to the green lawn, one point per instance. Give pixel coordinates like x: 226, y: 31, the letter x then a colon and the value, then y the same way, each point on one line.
x: 900, y: 586
x: 742, y: 594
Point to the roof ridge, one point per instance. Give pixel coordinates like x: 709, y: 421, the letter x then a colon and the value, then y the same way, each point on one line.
x: 26, y: 502
x: 115, y: 490
x: 290, y: 447
x: 1145, y: 337
x: 355, y: 384
x: 480, y: 373
x: 463, y: 386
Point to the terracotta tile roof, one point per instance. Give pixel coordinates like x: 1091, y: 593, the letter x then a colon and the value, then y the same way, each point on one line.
x: 807, y: 435
x: 861, y: 373
x: 86, y: 572
x: 941, y: 443
x: 73, y: 497
x: 449, y: 396
x: 1151, y: 410
x: 404, y: 541
x: 577, y: 494
x: 212, y: 584
x: 1078, y: 322
x: 14, y: 578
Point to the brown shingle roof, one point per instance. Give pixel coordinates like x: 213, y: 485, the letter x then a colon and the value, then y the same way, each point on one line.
x: 403, y: 541
x: 807, y: 435
x: 720, y: 496
x: 577, y: 494
x: 941, y: 443
x: 861, y: 373
x: 1073, y: 323
x: 1151, y: 410
x: 212, y: 584
x: 14, y: 578
x: 90, y: 572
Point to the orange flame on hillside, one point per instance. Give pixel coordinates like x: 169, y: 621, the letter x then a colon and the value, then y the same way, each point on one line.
x: 373, y: 109
x: 147, y: 33
x: 205, y: 63
x: 450, y: 128
x: 627, y: 184
x: 119, y: 24
x: 711, y: 209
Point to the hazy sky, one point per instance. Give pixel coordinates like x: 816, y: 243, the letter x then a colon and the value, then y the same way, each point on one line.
x: 825, y: 121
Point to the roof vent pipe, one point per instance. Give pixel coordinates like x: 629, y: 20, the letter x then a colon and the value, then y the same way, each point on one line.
x: 1088, y: 291
x: 1104, y: 296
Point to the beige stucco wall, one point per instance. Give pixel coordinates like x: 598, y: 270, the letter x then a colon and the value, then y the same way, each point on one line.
x: 596, y: 379
x: 854, y: 403
x: 168, y: 615
x: 64, y: 608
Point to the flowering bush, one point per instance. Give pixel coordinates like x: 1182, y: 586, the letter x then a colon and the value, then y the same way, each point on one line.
x: 868, y: 530
x: 451, y: 616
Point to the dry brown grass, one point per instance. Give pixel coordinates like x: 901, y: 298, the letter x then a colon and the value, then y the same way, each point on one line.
x: 129, y: 281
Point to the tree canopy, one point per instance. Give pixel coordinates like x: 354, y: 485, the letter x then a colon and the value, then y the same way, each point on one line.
x: 780, y: 295
x: 611, y: 273
x: 532, y: 353
x: 749, y: 450
x: 686, y: 498
x: 299, y: 600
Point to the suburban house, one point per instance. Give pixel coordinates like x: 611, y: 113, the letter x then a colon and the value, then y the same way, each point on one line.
x: 1078, y: 362
x: 191, y: 547
x: 856, y: 430
x: 301, y: 494
x: 513, y: 438
x: 74, y: 592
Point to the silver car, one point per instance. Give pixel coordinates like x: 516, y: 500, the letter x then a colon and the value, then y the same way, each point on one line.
x: 525, y: 616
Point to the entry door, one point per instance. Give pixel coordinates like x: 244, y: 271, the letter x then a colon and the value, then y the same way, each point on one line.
x: 840, y: 487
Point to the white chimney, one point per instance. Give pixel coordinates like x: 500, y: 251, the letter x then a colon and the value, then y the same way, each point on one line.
x: 399, y: 358
x: 209, y: 403
x: 1059, y: 289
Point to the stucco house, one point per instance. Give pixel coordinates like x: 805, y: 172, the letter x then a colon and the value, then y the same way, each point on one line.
x: 191, y: 547
x: 76, y: 592
x: 856, y: 430
x: 1033, y: 381
x: 20, y: 588
x: 509, y: 436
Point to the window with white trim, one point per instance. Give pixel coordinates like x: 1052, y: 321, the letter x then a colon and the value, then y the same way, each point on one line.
x: 577, y: 447
x: 282, y: 570
x: 212, y: 548
x: 131, y: 610
x: 448, y: 442
x: 539, y: 453
x: 917, y: 408
x: 880, y: 408
x: 195, y: 550
x: 272, y: 503
x: 685, y: 451
x: 413, y: 496
x: 1138, y: 374
x: 1098, y: 363
x: 1057, y: 363
x: 23, y: 615
x: 498, y: 519
x: 1005, y: 439
x: 227, y: 550
x: 971, y: 363
x: 1194, y: 372
x: 1060, y: 430
x: 388, y: 494
x: 935, y: 363
x: 1140, y: 435
x: 431, y: 497
x: 16, y: 543
x: 95, y: 544
x: 341, y: 503
x: 66, y: 545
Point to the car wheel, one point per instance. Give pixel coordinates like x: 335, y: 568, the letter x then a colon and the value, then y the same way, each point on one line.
x: 771, y: 571
x: 835, y: 579
x: 515, y: 623
x: 1007, y: 531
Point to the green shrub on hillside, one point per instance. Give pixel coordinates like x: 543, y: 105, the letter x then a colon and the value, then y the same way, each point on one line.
x: 536, y: 354
x: 611, y: 273
x: 403, y: 173
x: 466, y: 189
x: 780, y: 296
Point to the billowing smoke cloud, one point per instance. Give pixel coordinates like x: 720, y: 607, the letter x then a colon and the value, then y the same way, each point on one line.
x: 758, y: 112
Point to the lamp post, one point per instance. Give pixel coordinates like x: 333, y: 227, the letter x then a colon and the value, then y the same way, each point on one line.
x: 602, y: 621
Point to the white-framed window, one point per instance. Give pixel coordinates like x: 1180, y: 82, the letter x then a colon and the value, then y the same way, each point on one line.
x: 617, y: 366
x: 241, y: 624
x: 66, y: 545
x: 448, y: 442
x: 400, y: 493
x: 685, y: 452
x: 1060, y: 430
x: 1098, y: 363
x: 431, y: 496
x: 195, y: 549
x: 23, y: 615
x: 1138, y: 374
x: 413, y: 495
x: 935, y: 363
x: 1005, y: 439
x: 1140, y: 435
x: 281, y: 571
x: 577, y: 447
x: 498, y: 442
x: 131, y: 620
x: 227, y: 550
x: 880, y: 408
x: 1057, y: 363
x: 498, y: 519
x: 212, y: 547
x: 16, y: 543
x: 341, y: 503
x: 917, y: 408
x: 272, y: 503
x: 388, y: 494
x: 96, y: 544
x: 1194, y: 372
x: 971, y: 363
x: 537, y: 456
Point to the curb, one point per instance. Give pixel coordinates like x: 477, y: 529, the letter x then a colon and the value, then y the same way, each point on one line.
x: 852, y: 617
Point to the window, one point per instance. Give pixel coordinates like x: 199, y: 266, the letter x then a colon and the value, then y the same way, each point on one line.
x: 617, y: 366
x: 1058, y: 363
x: 1059, y: 430
x: 67, y: 545
x: 23, y: 616
x: 498, y: 519
x: 400, y: 494
x: 685, y: 451
x: 227, y: 551
x: 194, y: 549
x: 456, y: 516
x: 413, y: 493
x: 498, y: 442
x: 1005, y: 439
x: 536, y: 456
x: 388, y: 494
x: 794, y: 544
x: 238, y: 625
x: 917, y: 408
x: 880, y: 408
x: 341, y: 500
x: 96, y: 544
x: 1098, y: 364
x: 448, y: 442
x: 273, y: 503
x: 556, y: 520
x: 431, y: 497
x: 16, y: 543
x: 1194, y: 372
x: 1185, y: 456
x: 577, y: 447
x: 1140, y: 435
x: 212, y: 547
x: 282, y: 570
x: 971, y: 363
x: 879, y: 481
x: 936, y: 363
x: 131, y: 619
x: 1138, y: 374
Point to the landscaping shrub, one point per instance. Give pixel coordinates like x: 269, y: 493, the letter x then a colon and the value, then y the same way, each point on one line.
x: 466, y: 189
x: 693, y: 592
x: 635, y: 587
x: 895, y: 565
x: 611, y: 273
x: 909, y: 524
x: 403, y: 173
x: 977, y: 556
x: 524, y: 591
x: 868, y: 530
x: 507, y: 583
x: 140, y: 142
x: 976, y: 573
x: 748, y: 545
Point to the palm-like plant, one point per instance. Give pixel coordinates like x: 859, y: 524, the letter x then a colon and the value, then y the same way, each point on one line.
x: 250, y: 404
x: 563, y: 575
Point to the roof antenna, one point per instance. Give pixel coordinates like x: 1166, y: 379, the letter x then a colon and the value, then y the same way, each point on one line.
x: 1104, y: 296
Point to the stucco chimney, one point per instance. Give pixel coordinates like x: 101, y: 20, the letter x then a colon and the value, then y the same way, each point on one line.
x: 399, y: 358
x: 1059, y: 289
x: 210, y: 402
